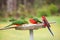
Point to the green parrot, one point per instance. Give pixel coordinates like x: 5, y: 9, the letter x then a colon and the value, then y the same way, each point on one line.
x: 18, y: 22
x: 37, y: 20
x: 23, y: 19
x: 12, y: 19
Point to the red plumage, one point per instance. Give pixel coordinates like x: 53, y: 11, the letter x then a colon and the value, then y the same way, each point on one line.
x: 46, y: 24
x: 17, y: 25
x: 45, y: 21
x: 32, y: 21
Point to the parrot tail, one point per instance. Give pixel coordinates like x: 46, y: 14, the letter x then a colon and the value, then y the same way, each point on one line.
x: 8, y: 26
x: 40, y: 21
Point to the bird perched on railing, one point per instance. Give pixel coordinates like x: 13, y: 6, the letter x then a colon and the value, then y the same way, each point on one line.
x: 34, y: 20
x: 46, y: 24
x: 19, y: 22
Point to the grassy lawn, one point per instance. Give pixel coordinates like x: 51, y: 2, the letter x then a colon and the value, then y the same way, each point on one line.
x: 40, y: 34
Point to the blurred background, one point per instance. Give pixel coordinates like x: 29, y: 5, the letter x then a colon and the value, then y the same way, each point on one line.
x: 37, y: 8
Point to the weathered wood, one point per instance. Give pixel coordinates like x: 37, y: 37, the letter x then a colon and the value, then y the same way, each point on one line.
x: 28, y: 26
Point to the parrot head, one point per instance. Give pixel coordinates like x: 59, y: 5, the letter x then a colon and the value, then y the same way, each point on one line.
x: 43, y: 17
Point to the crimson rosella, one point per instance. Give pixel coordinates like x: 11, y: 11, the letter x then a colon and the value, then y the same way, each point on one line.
x: 46, y: 24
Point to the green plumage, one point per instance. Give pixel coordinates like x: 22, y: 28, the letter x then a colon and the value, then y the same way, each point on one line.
x: 20, y: 22
x: 12, y: 20
x: 36, y: 19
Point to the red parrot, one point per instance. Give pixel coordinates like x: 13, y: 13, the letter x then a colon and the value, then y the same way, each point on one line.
x: 31, y: 20
x: 34, y: 20
x: 45, y: 21
x: 46, y: 24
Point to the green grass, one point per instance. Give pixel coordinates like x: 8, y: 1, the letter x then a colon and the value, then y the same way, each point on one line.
x: 40, y: 34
